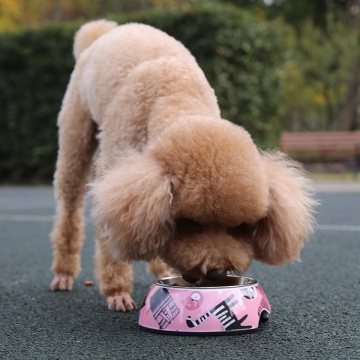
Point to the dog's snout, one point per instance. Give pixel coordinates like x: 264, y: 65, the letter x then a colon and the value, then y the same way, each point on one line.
x: 192, y: 276
x: 195, y: 275
x: 216, y: 274
x: 190, y: 279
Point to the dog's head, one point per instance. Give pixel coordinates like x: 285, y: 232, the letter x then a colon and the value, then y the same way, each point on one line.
x: 206, y: 201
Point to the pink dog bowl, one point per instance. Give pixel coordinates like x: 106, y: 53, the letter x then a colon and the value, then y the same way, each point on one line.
x: 236, y: 307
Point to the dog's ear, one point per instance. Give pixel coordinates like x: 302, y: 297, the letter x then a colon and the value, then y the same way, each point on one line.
x: 280, y: 235
x: 132, y: 206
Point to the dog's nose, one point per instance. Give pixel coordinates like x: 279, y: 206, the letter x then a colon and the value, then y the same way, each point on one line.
x: 216, y: 274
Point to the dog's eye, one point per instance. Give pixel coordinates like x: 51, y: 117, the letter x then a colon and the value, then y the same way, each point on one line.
x: 240, y: 230
x: 186, y: 226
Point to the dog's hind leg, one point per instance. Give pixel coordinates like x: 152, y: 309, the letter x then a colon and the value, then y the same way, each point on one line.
x: 115, y: 278
x: 77, y: 144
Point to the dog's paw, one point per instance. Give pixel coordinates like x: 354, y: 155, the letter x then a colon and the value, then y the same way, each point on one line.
x: 121, y: 302
x: 62, y: 282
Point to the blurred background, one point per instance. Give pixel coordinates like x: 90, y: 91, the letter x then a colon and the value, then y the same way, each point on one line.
x: 277, y: 67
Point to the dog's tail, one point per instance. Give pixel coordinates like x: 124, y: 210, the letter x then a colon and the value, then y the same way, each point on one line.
x: 90, y: 32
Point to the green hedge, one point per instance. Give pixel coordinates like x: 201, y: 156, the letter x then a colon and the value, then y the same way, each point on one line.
x: 241, y: 55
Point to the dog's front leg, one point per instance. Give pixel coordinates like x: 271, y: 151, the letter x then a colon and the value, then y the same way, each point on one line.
x: 159, y: 269
x: 115, y: 278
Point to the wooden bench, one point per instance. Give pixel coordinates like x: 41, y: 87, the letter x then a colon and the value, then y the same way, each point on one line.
x: 323, y: 147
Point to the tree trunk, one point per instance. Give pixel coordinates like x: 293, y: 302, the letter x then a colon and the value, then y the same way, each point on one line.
x: 348, y: 112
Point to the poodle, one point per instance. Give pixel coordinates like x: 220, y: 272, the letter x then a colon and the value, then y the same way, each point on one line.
x: 174, y: 184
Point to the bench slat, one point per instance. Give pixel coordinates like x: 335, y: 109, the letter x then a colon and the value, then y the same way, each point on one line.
x: 332, y: 146
x: 321, y: 141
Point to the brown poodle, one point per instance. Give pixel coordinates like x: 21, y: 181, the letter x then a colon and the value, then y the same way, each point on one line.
x: 175, y: 184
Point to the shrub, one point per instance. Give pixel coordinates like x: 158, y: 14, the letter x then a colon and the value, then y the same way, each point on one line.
x: 34, y: 70
x: 241, y: 54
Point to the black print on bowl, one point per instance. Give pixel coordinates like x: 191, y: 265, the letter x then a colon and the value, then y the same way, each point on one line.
x: 223, y: 312
x: 163, y: 308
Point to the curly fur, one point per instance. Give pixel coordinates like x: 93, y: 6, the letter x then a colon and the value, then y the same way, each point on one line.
x: 173, y: 181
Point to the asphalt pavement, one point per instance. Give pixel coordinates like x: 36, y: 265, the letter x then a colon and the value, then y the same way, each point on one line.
x: 315, y: 303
